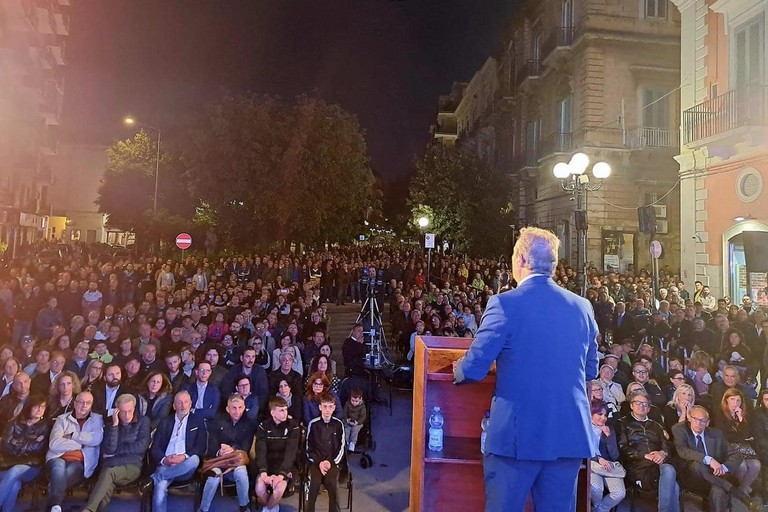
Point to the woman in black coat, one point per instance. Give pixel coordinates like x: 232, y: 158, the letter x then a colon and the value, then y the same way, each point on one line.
x: 23, y: 448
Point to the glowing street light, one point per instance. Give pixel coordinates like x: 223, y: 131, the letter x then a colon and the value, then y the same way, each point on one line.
x: 573, y: 178
x: 423, y: 222
x: 130, y: 121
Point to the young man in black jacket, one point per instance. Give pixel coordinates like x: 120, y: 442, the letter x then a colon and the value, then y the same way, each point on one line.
x: 277, y: 443
x: 325, y: 449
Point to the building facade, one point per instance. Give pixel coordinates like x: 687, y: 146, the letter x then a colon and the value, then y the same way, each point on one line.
x: 724, y: 151
x: 79, y: 169
x: 464, y: 115
x: 599, y: 77
x: 33, y: 35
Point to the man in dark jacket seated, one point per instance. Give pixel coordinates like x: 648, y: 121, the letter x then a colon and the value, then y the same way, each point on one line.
x: 178, y: 446
x: 229, y: 432
x: 707, y: 466
x: 277, y: 445
x: 645, y: 454
x: 126, y: 439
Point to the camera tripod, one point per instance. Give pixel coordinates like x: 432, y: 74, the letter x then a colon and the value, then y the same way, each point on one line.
x: 373, y: 325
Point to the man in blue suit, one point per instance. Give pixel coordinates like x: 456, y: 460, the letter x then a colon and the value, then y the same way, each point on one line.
x: 204, y: 395
x: 178, y: 446
x: 540, y: 428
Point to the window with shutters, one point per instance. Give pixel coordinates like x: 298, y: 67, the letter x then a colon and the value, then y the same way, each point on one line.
x: 655, y: 107
x: 654, y: 9
x: 749, y: 52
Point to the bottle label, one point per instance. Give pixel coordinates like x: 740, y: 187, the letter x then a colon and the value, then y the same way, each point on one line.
x: 436, y: 439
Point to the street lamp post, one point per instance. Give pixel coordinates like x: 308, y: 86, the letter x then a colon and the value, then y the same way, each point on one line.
x: 131, y: 122
x: 423, y: 223
x: 573, y: 178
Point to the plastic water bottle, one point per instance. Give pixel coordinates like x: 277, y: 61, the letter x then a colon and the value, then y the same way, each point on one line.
x: 484, y: 426
x: 436, y: 430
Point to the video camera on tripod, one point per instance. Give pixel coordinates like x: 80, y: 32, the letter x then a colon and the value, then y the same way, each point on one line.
x: 371, y: 278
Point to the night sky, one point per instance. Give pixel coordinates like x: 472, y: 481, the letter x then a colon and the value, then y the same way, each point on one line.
x: 384, y: 60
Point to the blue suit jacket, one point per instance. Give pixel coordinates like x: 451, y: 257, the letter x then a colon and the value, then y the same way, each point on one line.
x: 196, y: 440
x: 211, y: 400
x: 542, y: 338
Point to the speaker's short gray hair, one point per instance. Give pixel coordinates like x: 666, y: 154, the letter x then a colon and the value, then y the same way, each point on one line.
x: 539, y: 248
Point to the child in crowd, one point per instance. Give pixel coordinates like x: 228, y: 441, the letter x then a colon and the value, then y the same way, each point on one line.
x: 325, y: 449
x: 355, y: 414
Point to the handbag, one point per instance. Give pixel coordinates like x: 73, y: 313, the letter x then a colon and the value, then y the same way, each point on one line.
x: 616, y: 471
x: 742, y: 449
x: 226, y: 462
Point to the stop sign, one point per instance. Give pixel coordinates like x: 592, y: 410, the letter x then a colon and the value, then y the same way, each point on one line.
x: 183, y: 241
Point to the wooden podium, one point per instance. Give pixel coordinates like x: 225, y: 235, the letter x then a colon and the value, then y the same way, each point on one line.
x: 452, y: 480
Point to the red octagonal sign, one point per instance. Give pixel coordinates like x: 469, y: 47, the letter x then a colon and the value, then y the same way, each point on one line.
x: 183, y: 241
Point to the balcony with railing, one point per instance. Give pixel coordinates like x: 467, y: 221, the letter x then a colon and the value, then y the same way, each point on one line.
x: 736, y: 110
x: 531, y: 69
x: 645, y: 137
x: 526, y: 159
x: 556, y: 143
x: 559, y: 39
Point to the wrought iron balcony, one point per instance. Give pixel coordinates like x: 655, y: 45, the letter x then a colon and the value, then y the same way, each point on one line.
x: 644, y: 137
x: 556, y: 143
x: 746, y: 106
x: 527, y: 158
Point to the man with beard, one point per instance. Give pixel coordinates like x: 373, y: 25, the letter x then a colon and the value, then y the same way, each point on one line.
x: 255, y: 374
x: 240, y: 335
x: 105, y: 393
x: 174, y: 371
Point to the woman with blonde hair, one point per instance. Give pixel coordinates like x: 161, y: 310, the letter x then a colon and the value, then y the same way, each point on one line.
x: 676, y: 410
x: 94, y: 374
x: 64, y: 389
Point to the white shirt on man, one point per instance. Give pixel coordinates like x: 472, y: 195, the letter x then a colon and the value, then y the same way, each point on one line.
x: 200, y: 396
x: 177, y: 444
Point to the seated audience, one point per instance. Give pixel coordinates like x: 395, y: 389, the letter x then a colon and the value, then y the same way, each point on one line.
x: 609, y: 454
x: 707, y: 462
x: 676, y: 411
x: 325, y: 449
x: 178, y: 445
x: 646, y: 453
x: 23, y: 448
x: 155, y: 398
x: 227, y: 433
x: 277, y: 446
x: 126, y: 440
x: 733, y: 418
x: 73, y: 449
x: 318, y: 386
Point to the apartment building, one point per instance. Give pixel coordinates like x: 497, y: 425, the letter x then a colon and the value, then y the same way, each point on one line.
x: 462, y: 112
x: 724, y: 152
x: 599, y: 77
x: 32, y: 58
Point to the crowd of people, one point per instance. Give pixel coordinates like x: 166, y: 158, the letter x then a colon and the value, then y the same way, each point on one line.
x: 117, y: 368
x: 121, y: 369
x: 678, y: 403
